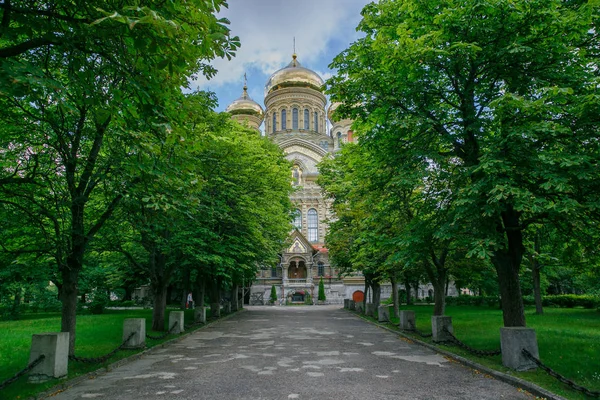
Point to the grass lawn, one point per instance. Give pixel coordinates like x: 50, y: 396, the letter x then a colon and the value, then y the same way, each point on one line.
x: 568, y: 341
x: 96, y: 335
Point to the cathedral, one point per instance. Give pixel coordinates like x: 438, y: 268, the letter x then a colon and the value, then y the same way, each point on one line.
x: 295, y: 118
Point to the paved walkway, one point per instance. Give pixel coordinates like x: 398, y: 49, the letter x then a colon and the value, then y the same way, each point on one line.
x: 319, y: 352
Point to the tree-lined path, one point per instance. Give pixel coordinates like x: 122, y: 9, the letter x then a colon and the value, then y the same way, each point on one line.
x: 293, y: 353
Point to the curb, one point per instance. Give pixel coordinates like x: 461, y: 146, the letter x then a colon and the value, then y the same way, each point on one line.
x: 61, y: 387
x: 501, y: 376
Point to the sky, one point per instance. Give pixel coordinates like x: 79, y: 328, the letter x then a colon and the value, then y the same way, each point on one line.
x: 266, y: 28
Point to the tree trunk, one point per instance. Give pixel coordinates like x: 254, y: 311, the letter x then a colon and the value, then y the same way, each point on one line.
x: 407, y: 289
x: 535, y: 272
x: 234, y: 297
x: 68, y: 297
x: 159, y: 291
x: 376, y: 300
x: 395, y: 297
x: 199, y: 291
x: 507, y: 263
x: 186, y: 288
x: 439, y: 296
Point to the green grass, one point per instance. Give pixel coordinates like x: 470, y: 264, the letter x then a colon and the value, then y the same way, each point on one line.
x: 96, y: 335
x: 568, y: 341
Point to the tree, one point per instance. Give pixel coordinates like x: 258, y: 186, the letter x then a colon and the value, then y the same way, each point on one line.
x: 273, y: 296
x: 502, y: 93
x: 321, y: 294
x: 82, y: 84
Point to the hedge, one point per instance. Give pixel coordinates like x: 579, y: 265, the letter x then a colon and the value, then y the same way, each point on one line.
x: 561, y: 301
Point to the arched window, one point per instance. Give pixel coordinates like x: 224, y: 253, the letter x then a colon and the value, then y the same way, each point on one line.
x: 283, y: 121
x: 339, y: 138
x: 294, y: 118
x: 316, y: 123
x: 320, y: 269
x: 274, y: 122
x: 306, y: 119
x: 313, y: 225
x: 298, y: 219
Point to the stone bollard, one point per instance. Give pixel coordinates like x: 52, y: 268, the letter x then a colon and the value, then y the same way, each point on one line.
x: 439, y: 326
x: 360, y: 307
x: 227, y: 307
x: 407, y: 321
x: 383, y: 313
x: 215, y: 310
x: 351, y: 305
x: 347, y: 304
x: 512, y: 341
x: 55, y: 347
x: 176, y: 317
x: 370, y: 310
x: 200, y: 314
x: 137, y: 326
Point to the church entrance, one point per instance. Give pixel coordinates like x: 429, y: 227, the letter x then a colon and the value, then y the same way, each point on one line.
x: 297, y: 270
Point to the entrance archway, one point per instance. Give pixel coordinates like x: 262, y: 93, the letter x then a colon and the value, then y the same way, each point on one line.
x: 297, y: 270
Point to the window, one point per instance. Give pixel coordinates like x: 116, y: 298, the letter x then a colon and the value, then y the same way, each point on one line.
x: 274, y: 272
x: 274, y: 122
x: 297, y: 219
x: 325, y: 145
x: 313, y: 225
x: 320, y: 269
x: 283, y: 121
x: 306, y: 119
x: 316, y: 124
x: 294, y: 118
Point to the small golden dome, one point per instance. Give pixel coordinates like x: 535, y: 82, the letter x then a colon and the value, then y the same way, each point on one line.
x: 245, y: 106
x: 294, y: 75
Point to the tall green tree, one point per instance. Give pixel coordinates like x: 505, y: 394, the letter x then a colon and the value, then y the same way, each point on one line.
x: 82, y: 84
x: 502, y: 91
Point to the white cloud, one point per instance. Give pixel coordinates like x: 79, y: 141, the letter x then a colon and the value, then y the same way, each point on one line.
x: 266, y: 29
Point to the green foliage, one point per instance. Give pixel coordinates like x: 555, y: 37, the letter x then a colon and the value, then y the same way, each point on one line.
x: 308, y: 299
x: 321, y: 294
x: 566, y: 301
x: 490, y: 301
x: 489, y: 110
x: 273, y: 296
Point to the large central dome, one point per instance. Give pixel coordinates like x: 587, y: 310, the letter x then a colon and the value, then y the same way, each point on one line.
x: 294, y: 75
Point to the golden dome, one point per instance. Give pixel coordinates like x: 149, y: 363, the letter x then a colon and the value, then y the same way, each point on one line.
x: 294, y: 75
x: 245, y: 106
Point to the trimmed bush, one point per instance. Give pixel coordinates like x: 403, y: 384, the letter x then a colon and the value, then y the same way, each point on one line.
x: 321, y: 295
x: 273, y: 296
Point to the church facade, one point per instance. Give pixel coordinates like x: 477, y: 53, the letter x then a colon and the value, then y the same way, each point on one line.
x: 296, y: 119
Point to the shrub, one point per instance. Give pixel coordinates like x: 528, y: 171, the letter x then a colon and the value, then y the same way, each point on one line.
x: 321, y: 295
x: 99, y: 303
x: 273, y: 296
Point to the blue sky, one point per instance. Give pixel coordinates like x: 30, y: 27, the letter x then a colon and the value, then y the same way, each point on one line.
x: 322, y: 28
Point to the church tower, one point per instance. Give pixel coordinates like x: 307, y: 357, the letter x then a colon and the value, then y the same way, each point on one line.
x: 295, y: 118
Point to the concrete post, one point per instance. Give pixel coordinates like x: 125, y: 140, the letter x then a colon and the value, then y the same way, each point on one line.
x: 360, y: 307
x: 512, y: 341
x: 439, y: 326
x: 227, y: 307
x: 383, y: 313
x: 370, y: 311
x: 55, y: 347
x: 351, y: 305
x: 137, y: 326
x: 347, y: 304
x: 176, y: 317
x: 215, y: 310
x: 200, y: 314
x: 407, y: 320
